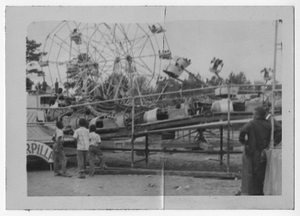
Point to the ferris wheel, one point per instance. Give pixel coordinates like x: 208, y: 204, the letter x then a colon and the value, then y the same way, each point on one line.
x: 109, y: 60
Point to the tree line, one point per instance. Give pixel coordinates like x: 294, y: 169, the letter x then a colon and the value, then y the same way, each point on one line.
x: 162, y: 85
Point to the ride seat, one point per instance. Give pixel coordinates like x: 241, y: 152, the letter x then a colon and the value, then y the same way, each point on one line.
x: 173, y: 71
x: 76, y: 37
x: 165, y: 54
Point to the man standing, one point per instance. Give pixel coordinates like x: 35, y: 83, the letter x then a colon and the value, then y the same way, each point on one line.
x: 83, y: 141
x: 258, y: 133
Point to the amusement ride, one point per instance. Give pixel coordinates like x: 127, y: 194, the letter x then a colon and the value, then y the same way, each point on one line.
x: 101, y: 71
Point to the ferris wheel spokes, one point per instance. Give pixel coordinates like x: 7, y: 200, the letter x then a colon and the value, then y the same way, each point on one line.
x: 97, y: 52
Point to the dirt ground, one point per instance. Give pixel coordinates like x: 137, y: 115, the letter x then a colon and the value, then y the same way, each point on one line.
x: 126, y: 185
x: 41, y: 181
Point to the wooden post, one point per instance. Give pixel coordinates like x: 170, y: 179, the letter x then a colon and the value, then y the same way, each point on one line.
x: 273, y: 177
x: 69, y: 59
x: 146, y: 149
x: 273, y: 87
x: 228, y: 129
x: 132, y: 134
x: 221, y: 145
x: 37, y: 98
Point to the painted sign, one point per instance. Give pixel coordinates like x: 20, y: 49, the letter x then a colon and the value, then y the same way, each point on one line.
x: 39, y: 149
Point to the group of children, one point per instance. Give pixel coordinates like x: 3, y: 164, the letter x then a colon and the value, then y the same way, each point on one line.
x: 88, y: 142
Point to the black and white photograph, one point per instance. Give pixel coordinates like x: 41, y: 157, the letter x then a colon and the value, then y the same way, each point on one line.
x: 162, y: 107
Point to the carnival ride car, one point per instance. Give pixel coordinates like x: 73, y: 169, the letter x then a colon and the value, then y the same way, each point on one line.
x: 118, y: 108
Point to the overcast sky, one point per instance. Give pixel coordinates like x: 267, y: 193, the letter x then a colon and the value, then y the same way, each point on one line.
x: 244, y: 45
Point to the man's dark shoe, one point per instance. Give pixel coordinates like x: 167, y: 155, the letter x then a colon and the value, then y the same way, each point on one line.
x: 66, y: 175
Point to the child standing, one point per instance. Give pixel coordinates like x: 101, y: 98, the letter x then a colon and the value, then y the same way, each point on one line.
x: 95, y: 150
x: 82, y: 137
x: 58, y: 151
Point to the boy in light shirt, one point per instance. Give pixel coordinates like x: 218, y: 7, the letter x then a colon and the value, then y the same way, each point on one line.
x: 95, y: 150
x: 59, y: 157
x: 83, y: 141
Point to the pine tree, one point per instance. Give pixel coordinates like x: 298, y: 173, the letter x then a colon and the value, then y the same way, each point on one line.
x: 32, y: 55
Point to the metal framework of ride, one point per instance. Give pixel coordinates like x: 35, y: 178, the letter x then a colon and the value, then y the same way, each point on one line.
x: 85, y: 55
x: 228, y: 124
x: 111, y: 50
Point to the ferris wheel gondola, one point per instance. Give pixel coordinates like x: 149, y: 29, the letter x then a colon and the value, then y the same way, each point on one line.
x: 76, y: 37
x: 77, y: 51
x: 156, y: 30
x: 165, y: 54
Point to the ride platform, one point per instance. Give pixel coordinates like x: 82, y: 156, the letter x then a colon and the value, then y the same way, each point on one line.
x: 145, y: 128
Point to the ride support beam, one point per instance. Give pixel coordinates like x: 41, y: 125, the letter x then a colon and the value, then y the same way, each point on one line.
x: 221, y: 145
x: 214, y: 152
x: 228, y: 131
x: 132, y: 134
x: 146, y: 149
